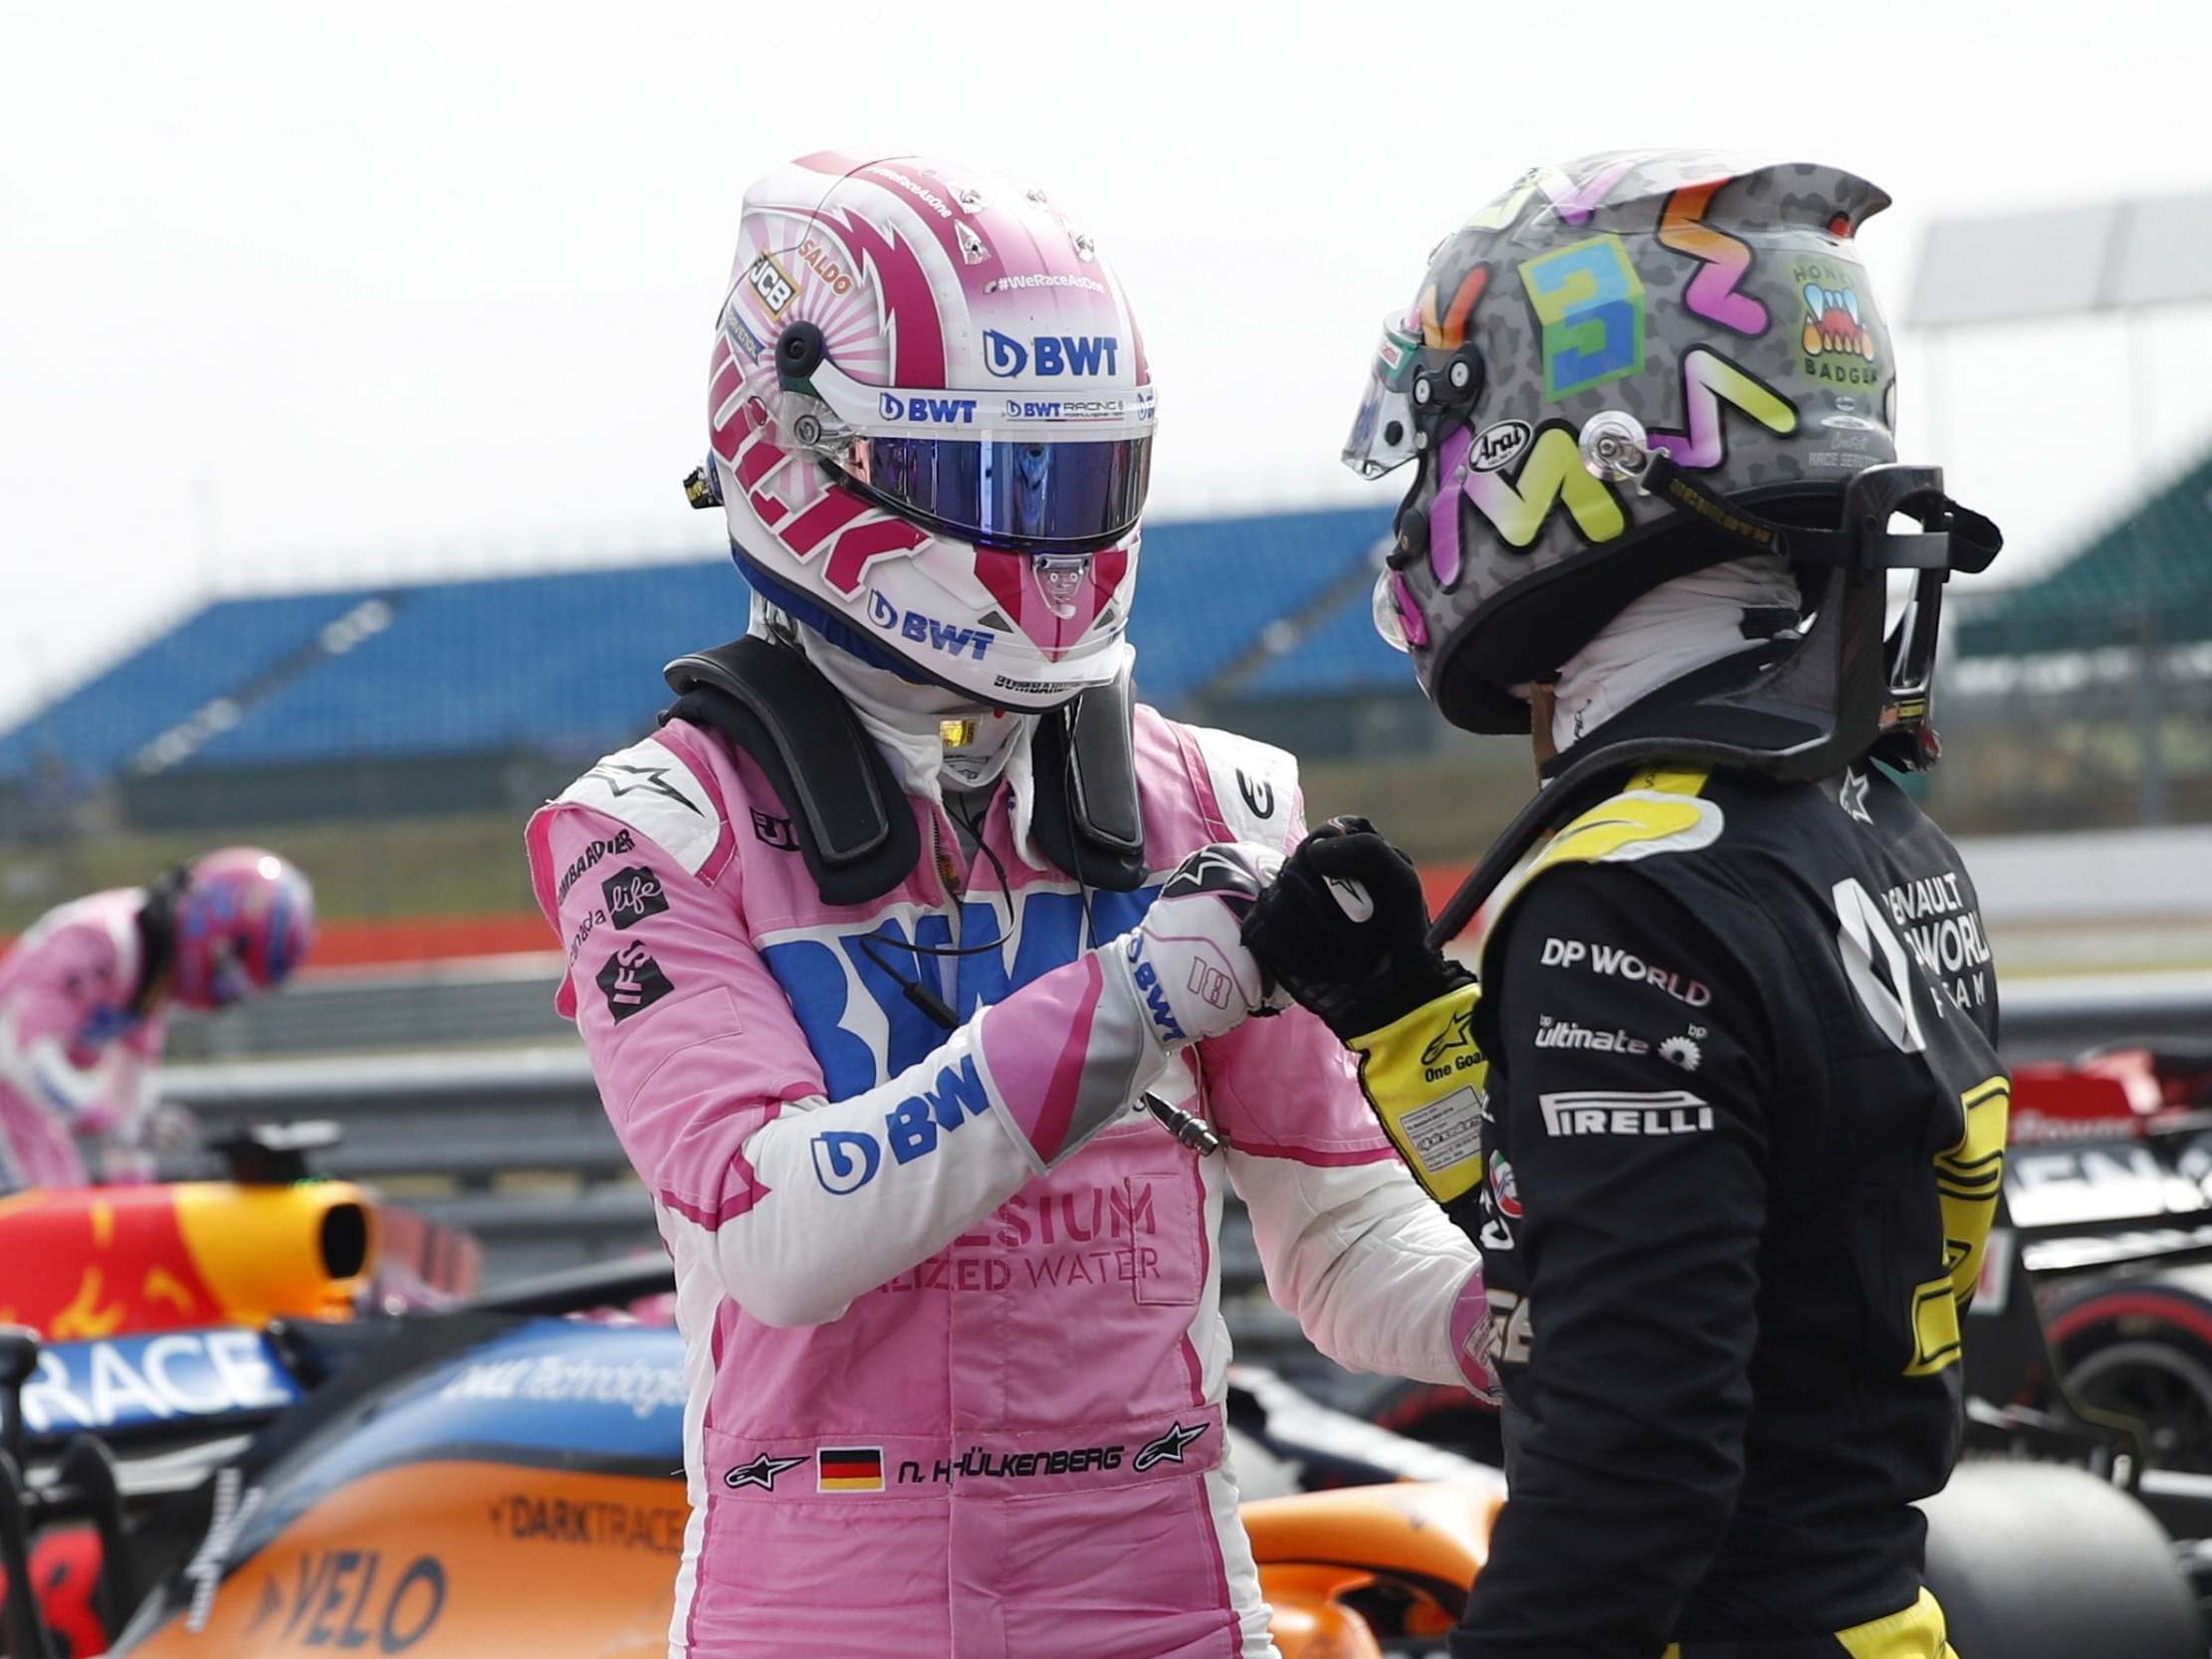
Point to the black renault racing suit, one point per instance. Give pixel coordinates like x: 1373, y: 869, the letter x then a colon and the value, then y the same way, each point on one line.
x: 1743, y: 1130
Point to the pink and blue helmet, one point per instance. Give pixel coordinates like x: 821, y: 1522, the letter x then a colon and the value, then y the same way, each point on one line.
x: 244, y: 920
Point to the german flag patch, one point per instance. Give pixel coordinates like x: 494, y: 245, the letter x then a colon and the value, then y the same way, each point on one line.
x: 850, y: 1469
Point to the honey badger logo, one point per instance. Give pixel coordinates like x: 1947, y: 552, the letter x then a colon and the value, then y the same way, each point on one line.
x: 1831, y: 323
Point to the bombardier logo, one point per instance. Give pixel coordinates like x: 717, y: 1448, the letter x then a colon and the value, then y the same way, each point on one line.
x: 1634, y: 1112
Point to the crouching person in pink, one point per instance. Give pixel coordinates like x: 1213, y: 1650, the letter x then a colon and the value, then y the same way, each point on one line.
x: 84, y: 997
x: 880, y: 942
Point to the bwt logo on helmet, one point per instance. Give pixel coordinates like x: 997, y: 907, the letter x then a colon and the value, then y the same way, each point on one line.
x: 927, y: 630
x: 946, y: 411
x: 1053, y: 354
x: 1066, y: 409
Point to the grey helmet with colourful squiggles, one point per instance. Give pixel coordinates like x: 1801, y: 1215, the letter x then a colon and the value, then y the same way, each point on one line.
x: 1704, y: 306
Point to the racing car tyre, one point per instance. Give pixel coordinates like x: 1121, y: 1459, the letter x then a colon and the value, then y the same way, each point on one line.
x: 2142, y: 1348
x: 2035, y: 1561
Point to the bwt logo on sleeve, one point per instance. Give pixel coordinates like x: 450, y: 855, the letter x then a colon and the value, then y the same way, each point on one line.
x: 1053, y: 354
x: 845, y: 1160
x: 944, y: 411
x: 927, y: 630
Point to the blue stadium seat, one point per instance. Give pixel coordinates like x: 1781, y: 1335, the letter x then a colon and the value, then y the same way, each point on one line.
x: 569, y: 661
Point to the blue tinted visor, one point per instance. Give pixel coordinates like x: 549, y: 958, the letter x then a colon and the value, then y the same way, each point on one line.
x: 1013, y: 494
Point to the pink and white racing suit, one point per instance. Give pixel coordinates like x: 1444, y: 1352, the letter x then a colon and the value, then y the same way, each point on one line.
x: 76, y: 1061
x: 951, y: 1322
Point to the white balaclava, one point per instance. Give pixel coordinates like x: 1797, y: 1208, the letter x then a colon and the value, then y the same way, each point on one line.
x: 912, y: 721
x: 1678, y: 627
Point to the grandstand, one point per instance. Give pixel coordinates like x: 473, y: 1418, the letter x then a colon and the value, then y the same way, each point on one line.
x: 2085, y: 697
x: 247, y: 691
x: 393, y: 734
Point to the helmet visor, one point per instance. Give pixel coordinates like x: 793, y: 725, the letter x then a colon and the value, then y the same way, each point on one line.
x: 1382, y: 437
x: 1012, y: 494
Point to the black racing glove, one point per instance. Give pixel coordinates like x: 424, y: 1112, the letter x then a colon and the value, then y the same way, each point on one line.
x: 1345, y: 929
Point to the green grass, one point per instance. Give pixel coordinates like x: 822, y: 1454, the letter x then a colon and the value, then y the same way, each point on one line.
x: 456, y: 865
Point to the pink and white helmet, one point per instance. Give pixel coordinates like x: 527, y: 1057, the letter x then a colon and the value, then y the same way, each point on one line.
x: 931, y: 425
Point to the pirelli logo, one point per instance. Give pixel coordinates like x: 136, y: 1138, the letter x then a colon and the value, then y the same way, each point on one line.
x: 1617, y: 1111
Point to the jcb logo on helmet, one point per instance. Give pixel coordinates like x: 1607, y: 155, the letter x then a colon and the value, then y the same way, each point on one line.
x: 770, y: 282
x: 946, y: 411
x: 1053, y: 354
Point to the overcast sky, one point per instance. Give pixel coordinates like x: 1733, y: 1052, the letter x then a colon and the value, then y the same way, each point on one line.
x: 295, y: 293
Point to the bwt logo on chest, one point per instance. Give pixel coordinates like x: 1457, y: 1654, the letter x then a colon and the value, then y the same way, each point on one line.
x: 1047, y: 355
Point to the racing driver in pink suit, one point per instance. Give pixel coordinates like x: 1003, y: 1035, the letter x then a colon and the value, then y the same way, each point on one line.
x: 84, y: 997
x: 881, y: 940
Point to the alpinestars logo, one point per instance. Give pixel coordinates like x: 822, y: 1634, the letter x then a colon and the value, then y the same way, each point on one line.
x: 1218, y: 871
x: 652, y: 779
x: 1168, y: 1448
x: 1459, y: 1034
x: 760, y: 1472
x: 1851, y: 797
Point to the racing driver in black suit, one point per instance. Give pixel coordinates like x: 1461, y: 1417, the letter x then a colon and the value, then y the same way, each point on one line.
x: 1724, y: 1113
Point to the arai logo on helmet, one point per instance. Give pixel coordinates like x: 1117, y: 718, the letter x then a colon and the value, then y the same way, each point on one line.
x: 944, y: 411
x: 1497, y: 443
x: 1053, y: 354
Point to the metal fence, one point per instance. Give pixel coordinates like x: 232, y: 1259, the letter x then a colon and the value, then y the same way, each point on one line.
x: 511, y: 1143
